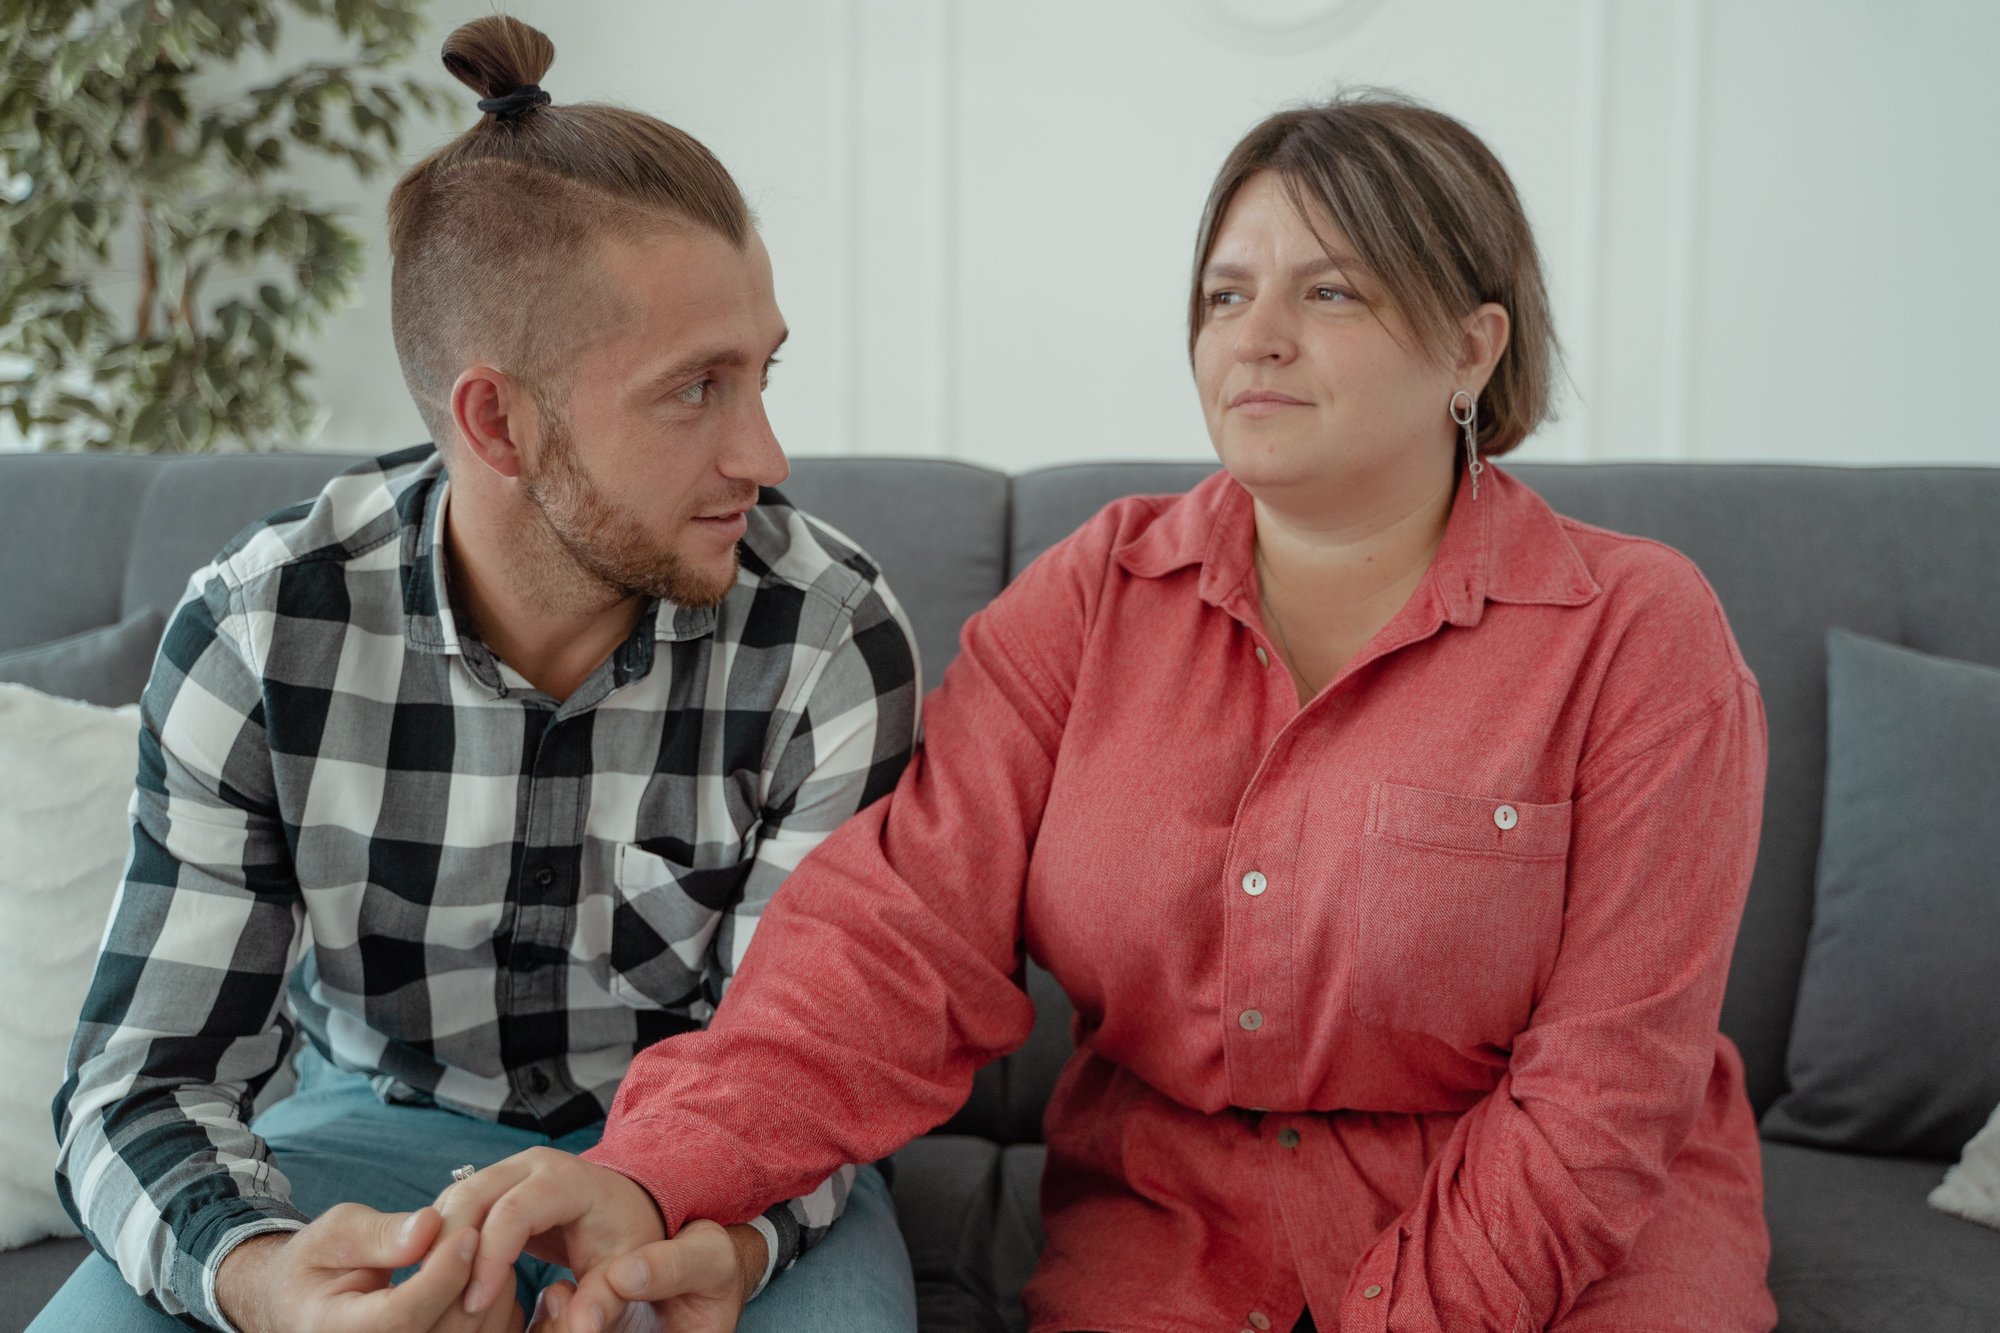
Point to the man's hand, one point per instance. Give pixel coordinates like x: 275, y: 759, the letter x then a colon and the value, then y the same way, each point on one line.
x: 334, y: 1277
x: 554, y: 1206
x: 695, y: 1283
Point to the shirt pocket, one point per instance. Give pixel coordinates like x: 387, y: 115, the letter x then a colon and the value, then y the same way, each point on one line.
x: 662, y: 922
x: 1460, y: 912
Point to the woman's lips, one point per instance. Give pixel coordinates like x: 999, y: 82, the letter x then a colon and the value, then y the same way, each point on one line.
x: 1264, y: 402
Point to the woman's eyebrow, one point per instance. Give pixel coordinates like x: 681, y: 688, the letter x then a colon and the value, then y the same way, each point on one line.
x: 1226, y: 272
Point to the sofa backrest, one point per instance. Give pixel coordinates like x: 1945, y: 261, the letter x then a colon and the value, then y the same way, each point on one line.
x: 1904, y: 554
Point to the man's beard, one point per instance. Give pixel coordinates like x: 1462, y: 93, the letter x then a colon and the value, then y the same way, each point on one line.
x: 606, y: 544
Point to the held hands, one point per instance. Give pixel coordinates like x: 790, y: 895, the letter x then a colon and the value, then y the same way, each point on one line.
x: 334, y: 1277
x: 604, y: 1227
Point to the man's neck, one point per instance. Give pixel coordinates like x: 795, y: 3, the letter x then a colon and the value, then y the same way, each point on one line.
x: 529, y: 604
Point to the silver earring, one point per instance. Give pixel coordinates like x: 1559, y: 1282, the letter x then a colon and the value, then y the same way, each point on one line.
x: 1465, y: 411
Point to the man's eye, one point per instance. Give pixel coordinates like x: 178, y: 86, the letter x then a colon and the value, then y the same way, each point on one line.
x: 695, y: 394
x: 765, y: 383
x: 1227, y: 297
x: 1332, y: 294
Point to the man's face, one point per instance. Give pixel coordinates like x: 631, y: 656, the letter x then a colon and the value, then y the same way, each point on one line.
x: 646, y: 474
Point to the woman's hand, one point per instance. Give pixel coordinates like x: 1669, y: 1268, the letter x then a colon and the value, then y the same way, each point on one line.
x: 554, y: 1206
x: 695, y: 1283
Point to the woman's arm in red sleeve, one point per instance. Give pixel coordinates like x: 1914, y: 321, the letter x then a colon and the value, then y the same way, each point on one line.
x: 1544, y: 1185
x: 885, y: 972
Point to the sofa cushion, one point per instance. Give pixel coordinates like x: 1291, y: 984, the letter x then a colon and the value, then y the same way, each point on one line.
x: 30, y: 1278
x: 1898, y: 1010
x: 971, y: 1213
x: 65, y: 781
x: 1855, y: 1249
x: 106, y: 666
x: 1971, y: 1189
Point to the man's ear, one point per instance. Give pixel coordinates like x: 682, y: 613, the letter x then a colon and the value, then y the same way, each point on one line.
x: 494, y: 417
x: 1485, y: 332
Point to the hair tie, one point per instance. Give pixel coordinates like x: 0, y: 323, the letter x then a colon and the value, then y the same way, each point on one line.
x: 514, y: 103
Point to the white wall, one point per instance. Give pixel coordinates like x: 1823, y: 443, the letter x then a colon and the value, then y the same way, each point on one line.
x: 1768, y: 223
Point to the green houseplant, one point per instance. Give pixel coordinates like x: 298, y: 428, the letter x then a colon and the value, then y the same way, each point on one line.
x: 158, y: 269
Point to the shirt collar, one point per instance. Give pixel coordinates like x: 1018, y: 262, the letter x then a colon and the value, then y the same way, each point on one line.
x: 1506, y: 546
x: 431, y: 625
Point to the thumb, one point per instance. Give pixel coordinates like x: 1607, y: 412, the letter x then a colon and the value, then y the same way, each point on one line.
x: 385, y: 1240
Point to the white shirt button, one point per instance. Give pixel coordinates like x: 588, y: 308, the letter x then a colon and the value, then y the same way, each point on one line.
x: 1254, y: 883
x: 1263, y: 658
x: 1370, y: 1292
x: 1259, y: 1320
x: 1506, y: 817
x: 1250, y: 1019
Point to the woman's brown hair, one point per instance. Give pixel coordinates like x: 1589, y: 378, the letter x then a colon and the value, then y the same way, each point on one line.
x: 490, y: 235
x: 1432, y: 213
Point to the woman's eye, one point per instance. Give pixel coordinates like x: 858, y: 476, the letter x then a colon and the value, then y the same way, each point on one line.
x: 1332, y: 294
x: 695, y: 394
x: 1224, y: 298
x: 765, y: 382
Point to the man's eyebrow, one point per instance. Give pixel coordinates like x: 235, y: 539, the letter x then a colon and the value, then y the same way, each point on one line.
x: 1310, y: 268
x: 716, y: 359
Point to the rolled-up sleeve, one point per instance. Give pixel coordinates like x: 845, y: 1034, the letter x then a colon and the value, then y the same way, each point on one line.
x: 183, y: 1022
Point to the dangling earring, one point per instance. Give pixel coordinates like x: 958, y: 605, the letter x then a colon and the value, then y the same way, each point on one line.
x: 1465, y: 411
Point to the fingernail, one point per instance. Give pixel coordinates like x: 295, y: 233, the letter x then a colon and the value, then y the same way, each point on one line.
x: 593, y: 1319
x: 408, y: 1229
x: 629, y: 1273
x: 473, y: 1294
x: 555, y: 1301
x: 468, y: 1246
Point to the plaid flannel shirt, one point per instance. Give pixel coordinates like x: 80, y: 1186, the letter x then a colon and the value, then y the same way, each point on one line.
x: 481, y: 897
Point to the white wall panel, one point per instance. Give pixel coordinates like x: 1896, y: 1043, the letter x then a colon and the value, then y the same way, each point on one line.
x: 1767, y: 223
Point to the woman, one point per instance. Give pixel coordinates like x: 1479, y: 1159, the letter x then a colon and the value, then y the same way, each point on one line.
x: 1388, y: 832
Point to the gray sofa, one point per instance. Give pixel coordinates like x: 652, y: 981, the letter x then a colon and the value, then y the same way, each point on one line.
x: 1908, y: 555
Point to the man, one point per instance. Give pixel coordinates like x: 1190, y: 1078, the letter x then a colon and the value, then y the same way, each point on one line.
x: 491, y: 756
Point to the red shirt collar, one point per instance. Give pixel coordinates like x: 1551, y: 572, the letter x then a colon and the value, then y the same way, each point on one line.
x: 1506, y: 546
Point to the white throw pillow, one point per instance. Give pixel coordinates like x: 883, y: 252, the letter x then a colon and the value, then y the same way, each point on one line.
x: 1971, y: 1189
x: 66, y: 773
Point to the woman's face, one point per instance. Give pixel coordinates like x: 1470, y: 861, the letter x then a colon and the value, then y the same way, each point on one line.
x: 1311, y: 381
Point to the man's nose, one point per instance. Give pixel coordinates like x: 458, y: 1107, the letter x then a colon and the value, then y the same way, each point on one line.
x: 755, y: 454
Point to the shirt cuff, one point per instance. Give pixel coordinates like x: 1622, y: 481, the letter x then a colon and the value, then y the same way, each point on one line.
x: 762, y: 1226
x: 210, y: 1311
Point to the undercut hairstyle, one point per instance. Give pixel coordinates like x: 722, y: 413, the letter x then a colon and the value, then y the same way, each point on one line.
x: 493, y: 238
x: 1432, y: 213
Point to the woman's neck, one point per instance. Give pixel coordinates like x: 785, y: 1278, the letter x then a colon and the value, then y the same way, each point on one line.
x: 1331, y: 577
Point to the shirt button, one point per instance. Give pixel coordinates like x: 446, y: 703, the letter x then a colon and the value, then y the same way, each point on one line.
x: 1369, y: 1293
x: 1250, y: 1019
x: 1288, y: 1137
x: 1263, y: 658
x: 538, y: 1081
x: 1254, y: 883
x: 1259, y: 1320
x: 545, y: 877
x: 1506, y: 817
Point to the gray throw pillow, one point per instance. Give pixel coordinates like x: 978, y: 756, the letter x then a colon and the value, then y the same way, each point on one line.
x: 106, y: 666
x: 1896, y: 1041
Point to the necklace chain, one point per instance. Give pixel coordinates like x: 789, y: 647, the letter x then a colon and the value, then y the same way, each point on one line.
x: 1271, y: 614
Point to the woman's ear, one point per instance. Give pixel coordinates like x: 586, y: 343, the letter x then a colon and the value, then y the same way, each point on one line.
x: 490, y: 412
x: 1484, y: 338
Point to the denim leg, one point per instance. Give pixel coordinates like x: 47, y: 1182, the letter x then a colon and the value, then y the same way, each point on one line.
x: 336, y: 1142
x: 857, y: 1280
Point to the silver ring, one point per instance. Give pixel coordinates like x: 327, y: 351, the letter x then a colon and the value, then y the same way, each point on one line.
x: 461, y: 1174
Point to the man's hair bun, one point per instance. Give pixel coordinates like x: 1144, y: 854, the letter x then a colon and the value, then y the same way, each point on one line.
x: 498, y: 56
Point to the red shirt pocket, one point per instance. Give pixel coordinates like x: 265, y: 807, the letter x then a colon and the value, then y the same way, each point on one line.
x: 1460, y: 912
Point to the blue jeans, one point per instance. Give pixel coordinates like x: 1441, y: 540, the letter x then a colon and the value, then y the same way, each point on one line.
x: 337, y: 1142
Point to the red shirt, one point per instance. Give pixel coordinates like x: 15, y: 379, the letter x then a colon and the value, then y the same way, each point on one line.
x: 1402, y: 1004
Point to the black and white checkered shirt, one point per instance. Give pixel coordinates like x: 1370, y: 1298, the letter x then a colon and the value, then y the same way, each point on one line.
x: 483, y: 898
